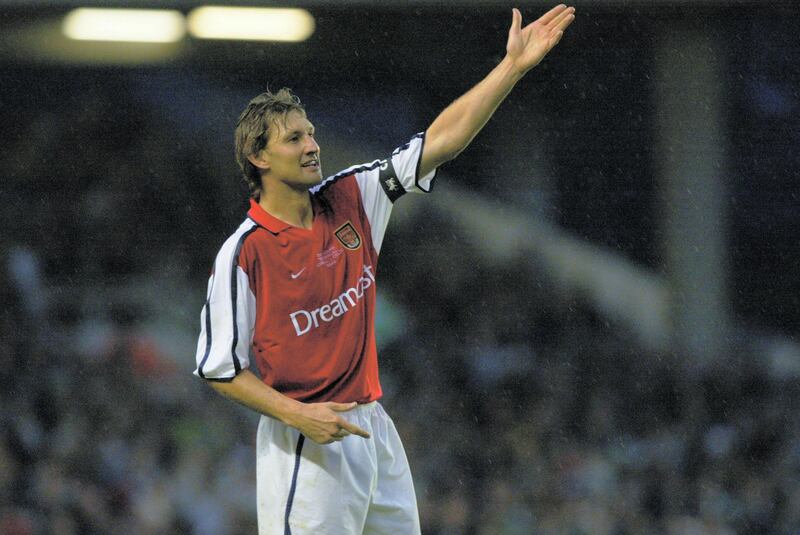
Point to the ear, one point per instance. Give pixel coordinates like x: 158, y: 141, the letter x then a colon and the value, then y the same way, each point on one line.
x: 260, y: 160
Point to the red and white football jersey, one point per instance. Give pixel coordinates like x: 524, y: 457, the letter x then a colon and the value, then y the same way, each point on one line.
x: 302, y: 302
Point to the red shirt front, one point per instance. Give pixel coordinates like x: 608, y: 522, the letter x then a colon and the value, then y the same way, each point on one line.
x: 315, y: 299
x: 302, y: 302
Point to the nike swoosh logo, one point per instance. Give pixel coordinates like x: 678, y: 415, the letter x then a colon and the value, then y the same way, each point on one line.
x: 295, y: 275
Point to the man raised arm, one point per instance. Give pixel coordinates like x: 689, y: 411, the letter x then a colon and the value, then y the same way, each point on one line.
x: 459, y: 123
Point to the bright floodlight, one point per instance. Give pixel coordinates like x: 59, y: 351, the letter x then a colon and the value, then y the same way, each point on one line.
x: 130, y: 25
x: 251, y: 23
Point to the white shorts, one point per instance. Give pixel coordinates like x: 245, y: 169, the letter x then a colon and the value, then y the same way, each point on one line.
x: 355, y: 486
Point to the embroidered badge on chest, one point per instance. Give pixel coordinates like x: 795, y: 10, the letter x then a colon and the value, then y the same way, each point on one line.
x: 348, y: 236
x: 329, y: 257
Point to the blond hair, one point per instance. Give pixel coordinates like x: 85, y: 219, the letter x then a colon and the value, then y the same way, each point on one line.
x: 253, y: 128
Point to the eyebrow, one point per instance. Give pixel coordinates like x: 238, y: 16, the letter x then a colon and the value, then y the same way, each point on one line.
x: 297, y: 131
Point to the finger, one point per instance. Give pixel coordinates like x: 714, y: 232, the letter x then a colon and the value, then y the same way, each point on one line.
x: 563, y: 20
x: 354, y: 429
x: 341, y: 407
x: 563, y: 25
x: 550, y: 15
x: 555, y: 39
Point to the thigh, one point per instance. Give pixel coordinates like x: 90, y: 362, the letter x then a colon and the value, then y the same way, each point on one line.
x: 305, y: 487
x: 393, y: 507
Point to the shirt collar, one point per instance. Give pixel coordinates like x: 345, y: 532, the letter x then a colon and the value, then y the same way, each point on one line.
x: 272, y: 223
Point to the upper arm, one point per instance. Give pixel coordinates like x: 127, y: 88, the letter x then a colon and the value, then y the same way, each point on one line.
x: 384, y: 181
x: 228, y: 316
x: 435, y: 151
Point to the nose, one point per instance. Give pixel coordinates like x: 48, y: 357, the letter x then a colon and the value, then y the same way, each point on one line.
x: 311, y: 145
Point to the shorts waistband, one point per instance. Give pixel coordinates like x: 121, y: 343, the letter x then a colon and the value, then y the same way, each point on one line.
x: 366, y: 406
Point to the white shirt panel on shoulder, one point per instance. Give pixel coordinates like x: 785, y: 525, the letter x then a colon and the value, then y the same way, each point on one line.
x: 382, y: 182
x: 228, y: 317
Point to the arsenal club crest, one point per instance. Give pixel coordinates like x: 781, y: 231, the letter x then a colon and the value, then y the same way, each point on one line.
x: 347, y: 235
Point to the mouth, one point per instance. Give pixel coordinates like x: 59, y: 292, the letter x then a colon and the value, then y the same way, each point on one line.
x: 312, y: 164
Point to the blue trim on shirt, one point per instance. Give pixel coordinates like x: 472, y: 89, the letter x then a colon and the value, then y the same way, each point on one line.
x: 286, y: 529
x: 237, y: 365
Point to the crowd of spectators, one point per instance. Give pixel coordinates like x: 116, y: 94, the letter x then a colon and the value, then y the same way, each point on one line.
x: 521, y: 409
x: 525, y: 412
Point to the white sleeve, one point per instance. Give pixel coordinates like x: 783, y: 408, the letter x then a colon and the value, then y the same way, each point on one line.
x: 228, y: 317
x: 384, y: 181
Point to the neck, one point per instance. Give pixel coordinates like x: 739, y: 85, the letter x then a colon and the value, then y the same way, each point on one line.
x: 290, y: 205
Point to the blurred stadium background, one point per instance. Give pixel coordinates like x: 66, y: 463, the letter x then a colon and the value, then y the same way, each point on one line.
x: 590, y: 327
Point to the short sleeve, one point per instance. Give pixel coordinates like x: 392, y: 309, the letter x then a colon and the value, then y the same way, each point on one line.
x: 406, y: 160
x: 384, y: 181
x: 228, y: 316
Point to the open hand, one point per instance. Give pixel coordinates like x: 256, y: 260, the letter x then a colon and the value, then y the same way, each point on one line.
x: 527, y: 46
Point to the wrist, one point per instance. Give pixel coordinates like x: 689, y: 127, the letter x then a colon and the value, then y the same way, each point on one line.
x: 510, y: 69
x: 290, y: 412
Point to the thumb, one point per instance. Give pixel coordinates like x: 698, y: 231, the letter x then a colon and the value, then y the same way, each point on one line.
x: 342, y: 407
x: 516, y: 22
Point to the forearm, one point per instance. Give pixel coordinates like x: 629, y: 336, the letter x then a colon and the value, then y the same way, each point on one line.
x: 453, y: 130
x: 248, y: 390
x: 318, y: 421
x: 459, y: 123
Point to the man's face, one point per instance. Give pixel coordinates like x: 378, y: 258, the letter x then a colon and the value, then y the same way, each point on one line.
x: 292, y: 153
